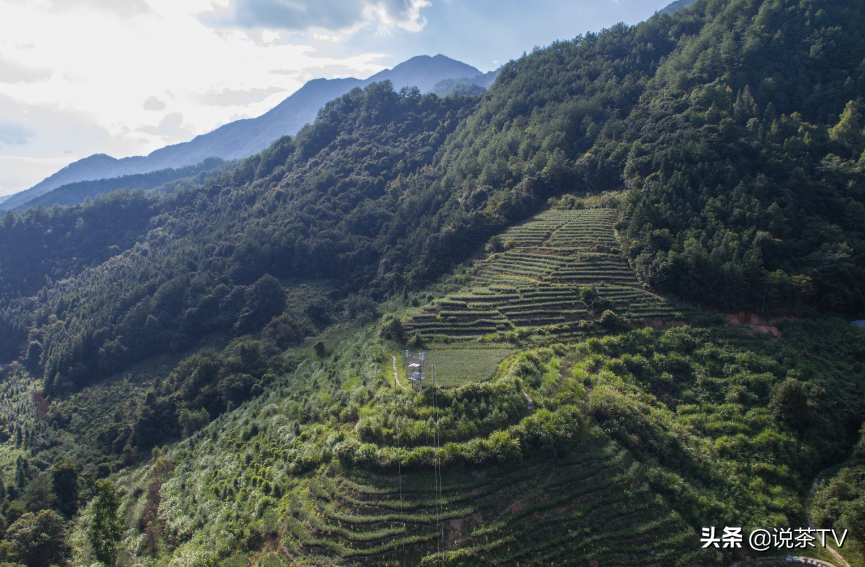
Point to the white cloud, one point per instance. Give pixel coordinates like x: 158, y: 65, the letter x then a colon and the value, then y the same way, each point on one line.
x: 14, y: 72
x: 73, y: 76
x: 237, y: 97
x: 165, y: 47
x: 346, y: 16
x: 153, y: 103
x: 170, y: 127
x: 326, y: 37
x: 125, y: 8
x: 403, y: 13
x: 334, y: 71
x: 268, y: 36
x: 14, y: 133
x: 58, y: 127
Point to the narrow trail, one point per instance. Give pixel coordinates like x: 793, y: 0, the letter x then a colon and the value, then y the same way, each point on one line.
x: 398, y: 383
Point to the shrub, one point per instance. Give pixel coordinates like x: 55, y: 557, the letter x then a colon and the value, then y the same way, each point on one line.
x: 609, y: 320
x: 64, y: 480
x: 392, y: 329
x: 416, y: 341
x: 39, y: 540
x: 192, y: 421
x: 319, y: 348
x: 790, y: 404
x: 495, y: 244
x: 105, y: 531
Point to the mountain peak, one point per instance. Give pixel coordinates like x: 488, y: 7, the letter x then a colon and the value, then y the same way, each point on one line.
x: 423, y: 72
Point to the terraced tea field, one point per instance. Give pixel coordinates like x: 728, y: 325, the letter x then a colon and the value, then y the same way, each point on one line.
x: 456, y: 366
x: 583, y: 507
x: 534, y: 286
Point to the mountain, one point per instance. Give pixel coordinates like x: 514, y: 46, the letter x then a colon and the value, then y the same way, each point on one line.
x: 630, y: 267
x: 97, y: 166
x: 463, y: 85
x: 676, y: 6
x: 74, y: 193
x: 423, y: 72
x: 245, y: 137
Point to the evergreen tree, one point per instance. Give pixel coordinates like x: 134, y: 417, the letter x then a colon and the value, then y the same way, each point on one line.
x: 105, y: 531
x: 39, y: 540
x: 64, y: 480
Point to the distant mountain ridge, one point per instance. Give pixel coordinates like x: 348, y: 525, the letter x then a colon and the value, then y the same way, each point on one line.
x: 676, y: 6
x: 243, y: 138
x: 466, y: 85
x: 77, y: 192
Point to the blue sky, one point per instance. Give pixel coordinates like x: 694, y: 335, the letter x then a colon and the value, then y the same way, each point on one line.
x: 483, y: 33
x: 126, y: 77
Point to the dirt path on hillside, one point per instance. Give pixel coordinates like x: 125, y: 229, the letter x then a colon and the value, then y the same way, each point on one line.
x: 398, y: 383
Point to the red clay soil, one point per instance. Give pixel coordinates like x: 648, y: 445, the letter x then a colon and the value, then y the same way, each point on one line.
x: 766, y: 329
x: 659, y: 323
x: 759, y: 323
x: 755, y: 319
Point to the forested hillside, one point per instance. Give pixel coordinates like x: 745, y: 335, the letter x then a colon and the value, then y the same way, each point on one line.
x: 336, y: 214
x: 229, y: 351
x: 733, y: 127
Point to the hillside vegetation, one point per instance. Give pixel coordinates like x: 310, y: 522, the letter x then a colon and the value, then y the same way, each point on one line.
x: 213, y: 373
x: 549, y: 276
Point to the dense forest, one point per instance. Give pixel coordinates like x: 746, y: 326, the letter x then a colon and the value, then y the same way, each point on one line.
x: 220, y: 338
